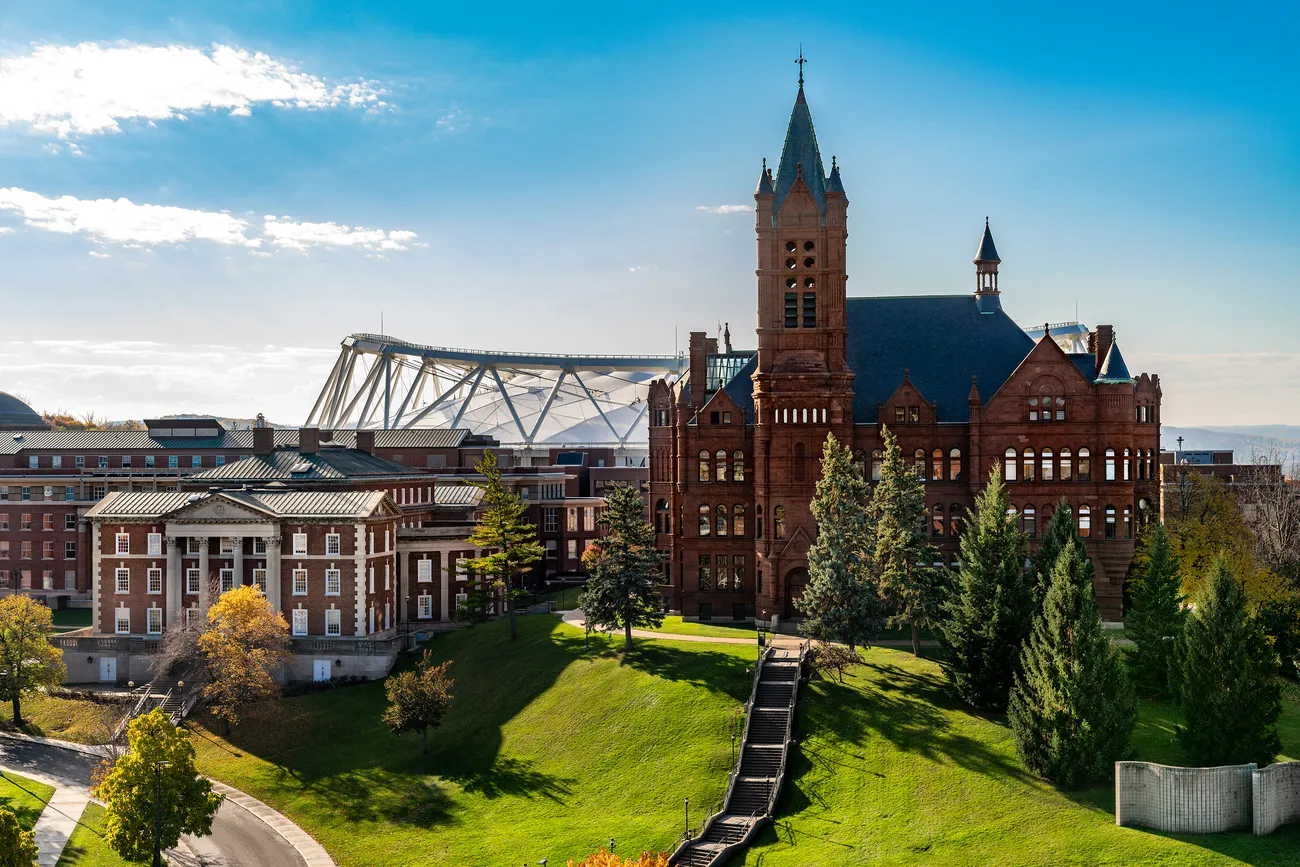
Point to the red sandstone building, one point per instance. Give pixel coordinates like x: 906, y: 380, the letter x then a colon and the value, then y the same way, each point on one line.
x: 735, y: 449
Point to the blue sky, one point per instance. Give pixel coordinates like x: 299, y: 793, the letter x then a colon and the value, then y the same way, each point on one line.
x: 532, y: 177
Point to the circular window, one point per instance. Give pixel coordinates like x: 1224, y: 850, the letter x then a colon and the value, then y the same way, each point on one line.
x: 809, y: 246
x: 790, y: 263
x: 809, y: 282
x: 1033, y: 401
x: 809, y: 262
x: 791, y: 282
x: 789, y: 246
x: 1060, y: 401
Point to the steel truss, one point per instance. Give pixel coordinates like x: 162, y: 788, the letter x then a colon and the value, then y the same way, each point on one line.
x: 522, y: 400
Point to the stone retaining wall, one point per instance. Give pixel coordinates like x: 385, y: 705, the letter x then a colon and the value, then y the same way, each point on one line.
x: 1184, y: 800
x: 1276, y: 796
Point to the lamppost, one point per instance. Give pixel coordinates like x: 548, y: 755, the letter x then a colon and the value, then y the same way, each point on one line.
x: 611, y: 844
x: 762, y: 629
x: 157, y: 828
x: 688, y: 818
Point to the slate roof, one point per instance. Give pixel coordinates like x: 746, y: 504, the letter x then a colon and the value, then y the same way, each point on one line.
x: 741, y: 388
x: 800, y: 150
x: 1085, y: 361
x: 331, y: 463
x: 987, y: 252
x: 1113, y: 369
x: 288, y: 504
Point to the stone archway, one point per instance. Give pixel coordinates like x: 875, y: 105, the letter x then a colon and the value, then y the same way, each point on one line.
x: 795, y: 582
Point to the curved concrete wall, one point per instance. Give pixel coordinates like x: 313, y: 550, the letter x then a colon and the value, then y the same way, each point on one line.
x: 1277, y: 796
x: 1184, y: 800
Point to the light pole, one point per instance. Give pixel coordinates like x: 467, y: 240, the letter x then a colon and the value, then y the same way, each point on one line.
x: 688, y: 818
x: 157, y: 828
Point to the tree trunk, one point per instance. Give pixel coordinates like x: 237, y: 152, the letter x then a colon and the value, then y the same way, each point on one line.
x: 18, y: 711
x: 627, y: 636
x: 916, y: 641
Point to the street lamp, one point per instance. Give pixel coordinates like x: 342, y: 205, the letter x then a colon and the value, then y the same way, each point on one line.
x: 157, y: 828
x: 611, y: 844
x: 688, y: 818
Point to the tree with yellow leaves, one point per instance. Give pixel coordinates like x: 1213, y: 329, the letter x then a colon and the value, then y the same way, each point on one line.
x: 606, y: 858
x: 243, y: 647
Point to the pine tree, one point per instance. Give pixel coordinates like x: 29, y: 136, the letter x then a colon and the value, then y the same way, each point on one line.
x: 1059, y: 533
x: 623, y: 591
x: 912, y: 588
x: 503, y: 531
x: 840, y: 602
x: 1071, y: 710
x: 1228, y: 687
x: 990, y: 612
x: 1155, y: 618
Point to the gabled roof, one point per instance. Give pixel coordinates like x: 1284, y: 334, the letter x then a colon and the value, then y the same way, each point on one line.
x: 1113, y: 369
x: 800, y: 157
x: 124, y: 505
x: 331, y: 463
x: 740, y: 388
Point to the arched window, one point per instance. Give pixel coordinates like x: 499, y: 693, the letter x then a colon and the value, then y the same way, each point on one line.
x: 1110, y: 465
x: 1085, y: 521
x: 936, y: 465
x: 954, y: 465
x: 1029, y: 522
x: 1066, y: 466
x: 877, y: 465
x: 918, y: 461
x: 704, y: 466
x: 704, y: 521
x: 1128, y: 522
x: 1029, y: 465
x: 954, y: 519
x: 1127, y: 453
x: 860, y: 463
x: 1013, y: 517
x: 1047, y: 466
x: 722, y: 520
x: 663, y: 518
x: 758, y: 520
x: 937, y: 520
x: 1110, y: 522
x: 738, y: 466
x: 778, y: 521
x: 1009, y: 465
x: 738, y: 520
x: 720, y: 474
x: 800, y: 463
x: 1085, y: 466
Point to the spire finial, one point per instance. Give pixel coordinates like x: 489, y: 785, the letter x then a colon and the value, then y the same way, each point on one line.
x: 834, y: 166
x: 764, y: 165
x: 801, y: 61
x: 986, y: 222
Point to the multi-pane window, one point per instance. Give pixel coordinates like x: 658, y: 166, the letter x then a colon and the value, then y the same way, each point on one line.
x: 550, y: 519
x: 1028, y: 465
x: 47, y: 521
x: 33, y: 462
x: 173, y: 462
x: 810, y: 308
x: 938, y: 520
x: 1029, y: 522
x: 424, y: 570
x: 778, y: 521
x: 1110, y: 465
x: 333, y: 582
x: 227, y: 580
x: 1085, y: 521
x: 571, y: 521
x: 738, y: 573
x: 738, y: 466
x: 588, y: 518
x: 1066, y: 466
x: 1048, y: 466
x: 300, y: 621
x: 259, y: 579
x: 424, y: 607
x: 1110, y: 522
x: 126, y: 462
x: 155, y: 544
x: 936, y: 465
x: 1127, y: 462
x: 299, y: 582
x: 720, y: 467
x: 226, y: 546
x: 1009, y: 465
x: 47, y: 550
x: 149, y: 462
x: 333, y: 622
x: 122, y: 580
x: 70, y: 579
x: 26, y: 550
x: 300, y: 543
x: 737, y: 520
x: 122, y: 621
x: 791, y: 309
x: 705, y: 526
x: 192, y: 545
x: 663, y: 517
x: 196, y: 461
x: 123, y: 543
x: 154, y: 577
x: 1085, y: 466
x: 722, y: 516
x: 154, y: 621
x: 69, y: 550
x: 220, y: 460
x: 103, y: 462
x: 706, y: 572
x: 47, y: 580
x: 722, y: 571
x: 954, y: 465
x: 191, y: 580
x: 191, y: 617
x: 572, y: 549
x: 333, y: 544
x: 900, y: 415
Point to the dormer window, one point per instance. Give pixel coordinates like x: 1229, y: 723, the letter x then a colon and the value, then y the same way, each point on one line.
x: 900, y: 414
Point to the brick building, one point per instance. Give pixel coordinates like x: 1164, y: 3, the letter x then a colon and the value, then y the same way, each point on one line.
x: 735, y: 449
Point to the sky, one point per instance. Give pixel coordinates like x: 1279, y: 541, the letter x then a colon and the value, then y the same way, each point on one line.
x: 198, y: 201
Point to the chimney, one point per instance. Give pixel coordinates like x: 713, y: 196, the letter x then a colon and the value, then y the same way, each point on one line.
x: 309, y: 440
x: 699, y: 367
x: 366, y: 441
x: 1105, y: 337
x: 263, y: 440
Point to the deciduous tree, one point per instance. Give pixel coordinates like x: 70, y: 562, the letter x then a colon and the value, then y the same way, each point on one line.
x: 502, y: 531
x: 161, y: 757
x: 835, y: 658
x: 1155, y: 617
x: 27, y: 659
x: 243, y: 647
x: 1228, y: 688
x: 622, y: 592
x: 990, y: 612
x: 417, y: 699
x: 1071, y: 709
x: 606, y: 858
x: 17, y: 846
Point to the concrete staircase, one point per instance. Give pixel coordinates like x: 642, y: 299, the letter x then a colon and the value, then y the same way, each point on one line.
x: 162, y: 692
x: 760, y: 767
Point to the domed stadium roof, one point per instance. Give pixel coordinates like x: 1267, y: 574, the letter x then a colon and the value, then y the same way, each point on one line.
x: 16, y: 415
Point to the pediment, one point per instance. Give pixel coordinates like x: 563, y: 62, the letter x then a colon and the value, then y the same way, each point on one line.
x: 909, y: 397
x: 1045, y: 360
x: 720, y: 402
x: 799, y: 210
x: 798, y: 544
x: 218, y: 509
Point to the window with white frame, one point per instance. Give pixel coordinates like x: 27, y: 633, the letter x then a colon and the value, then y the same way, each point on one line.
x: 300, y: 543
x: 154, y: 622
x: 122, y: 580
x: 191, y: 615
x: 70, y: 579
x: 333, y: 544
x: 191, y: 580
x: 588, y: 518
x: 122, y: 621
x: 424, y: 607
x: 573, y: 549
x: 424, y: 570
x: 259, y: 579
x: 227, y: 546
x: 372, y: 579
x: 259, y: 545
x: 300, y: 621
x: 155, y: 580
x: 123, y: 543
x: 386, y: 540
x: 333, y: 622
x: 299, y: 582
x: 333, y: 582
x: 227, y: 580
x: 155, y: 544
x: 458, y: 568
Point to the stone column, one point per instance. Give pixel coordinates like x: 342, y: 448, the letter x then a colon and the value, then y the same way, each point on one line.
x: 205, y: 584
x: 238, y: 561
x: 444, y: 567
x: 174, y: 582
x: 273, y: 571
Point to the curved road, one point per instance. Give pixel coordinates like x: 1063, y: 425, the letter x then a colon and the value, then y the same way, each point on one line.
x: 238, y: 837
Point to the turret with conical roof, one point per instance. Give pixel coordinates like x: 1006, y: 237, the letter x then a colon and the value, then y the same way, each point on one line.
x: 986, y: 264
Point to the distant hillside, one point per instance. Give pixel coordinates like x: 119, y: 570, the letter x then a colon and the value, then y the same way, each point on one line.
x: 227, y: 423
x: 1244, y: 440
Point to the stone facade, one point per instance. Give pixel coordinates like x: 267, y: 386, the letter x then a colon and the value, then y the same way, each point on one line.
x: 1183, y: 800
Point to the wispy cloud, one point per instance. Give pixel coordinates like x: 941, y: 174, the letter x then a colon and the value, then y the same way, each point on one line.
x: 1247, y: 387
x: 725, y: 209
x: 91, y: 87
x: 455, y: 120
x: 123, y: 222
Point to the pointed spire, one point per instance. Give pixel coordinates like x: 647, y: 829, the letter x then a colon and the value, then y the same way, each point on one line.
x: 1113, y: 369
x: 801, y: 150
x: 987, y: 252
x: 765, y: 180
x: 833, y: 183
x: 974, y: 396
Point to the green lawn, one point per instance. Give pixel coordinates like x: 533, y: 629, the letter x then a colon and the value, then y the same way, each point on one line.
x: 26, y: 798
x: 86, y: 846
x: 79, y: 720
x: 709, y: 629
x: 67, y: 619
x: 890, y: 770
x: 547, y: 752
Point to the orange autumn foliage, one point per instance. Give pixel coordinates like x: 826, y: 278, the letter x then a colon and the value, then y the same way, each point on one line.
x: 605, y: 858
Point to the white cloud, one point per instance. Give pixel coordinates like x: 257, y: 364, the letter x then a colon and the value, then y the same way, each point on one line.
x: 1227, y: 387
x: 455, y: 120
x: 5, y: 230
x: 89, y: 88
x: 135, y: 226
x: 98, y: 255
x: 725, y: 209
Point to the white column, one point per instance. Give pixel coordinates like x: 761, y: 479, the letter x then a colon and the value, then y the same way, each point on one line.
x: 446, y: 584
x: 238, y: 562
x: 273, y: 571
x: 174, y: 585
x: 205, y: 575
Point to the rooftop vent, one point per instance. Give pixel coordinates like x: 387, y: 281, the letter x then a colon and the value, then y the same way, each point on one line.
x: 18, y: 437
x: 302, y: 467
x: 194, y: 498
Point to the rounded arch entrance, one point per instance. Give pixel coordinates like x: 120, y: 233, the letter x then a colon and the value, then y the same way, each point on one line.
x: 795, y: 582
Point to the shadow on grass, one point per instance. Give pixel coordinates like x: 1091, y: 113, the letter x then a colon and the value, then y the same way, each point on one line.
x: 27, y: 816
x: 719, y: 672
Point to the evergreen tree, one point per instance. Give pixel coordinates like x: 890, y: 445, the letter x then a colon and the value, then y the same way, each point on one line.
x: 990, y: 612
x: 912, y: 588
x: 1228, y: 687
x: 502, y: 530
x: 623, y: 591
x: 840, y: 602
x: 1059, y: 533
x: 1072, y: 710
x: 1155, y: 617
